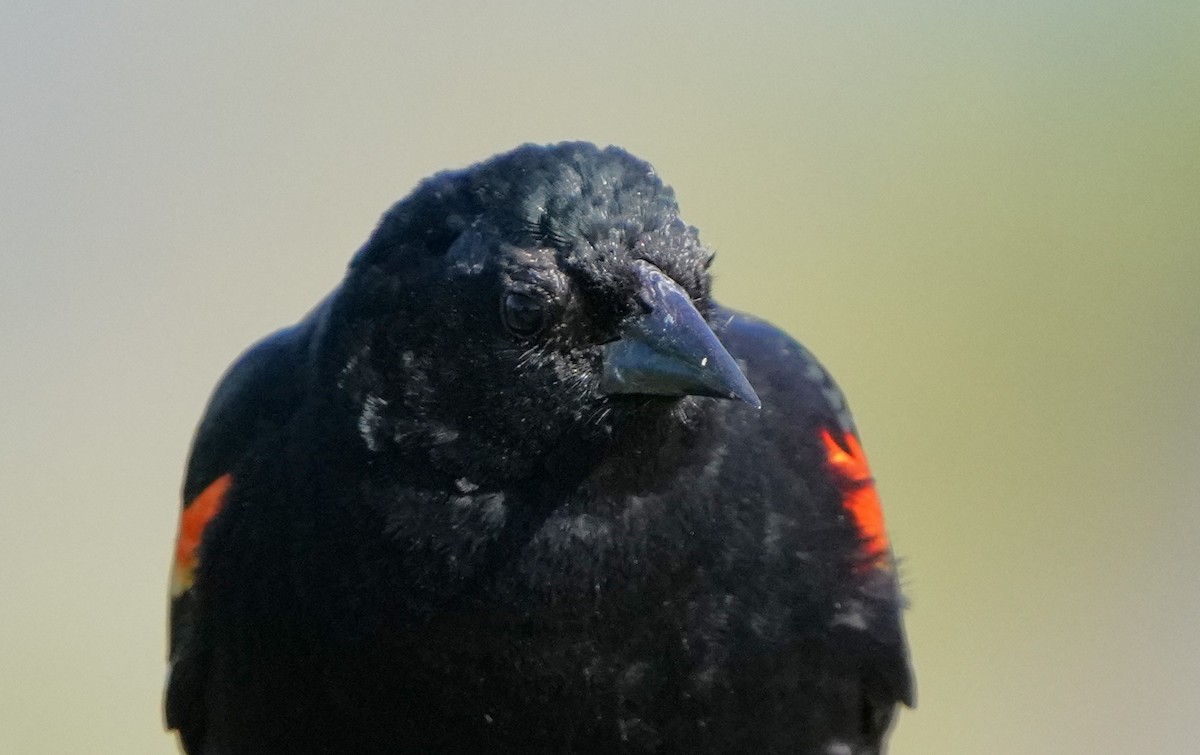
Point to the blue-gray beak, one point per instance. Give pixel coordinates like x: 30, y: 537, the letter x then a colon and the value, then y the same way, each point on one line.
x: 670, y: 350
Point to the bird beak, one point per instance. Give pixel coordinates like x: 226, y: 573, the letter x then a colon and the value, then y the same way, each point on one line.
x: 670, y: 350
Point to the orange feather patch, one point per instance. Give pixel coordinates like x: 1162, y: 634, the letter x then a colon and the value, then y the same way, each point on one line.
x: 192, y: 522
x: 853, y: 478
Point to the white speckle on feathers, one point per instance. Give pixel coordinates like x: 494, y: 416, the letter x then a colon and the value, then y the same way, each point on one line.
x: 369, y: 420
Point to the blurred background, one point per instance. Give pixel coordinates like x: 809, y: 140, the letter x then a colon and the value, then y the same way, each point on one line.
x: 985, y: 219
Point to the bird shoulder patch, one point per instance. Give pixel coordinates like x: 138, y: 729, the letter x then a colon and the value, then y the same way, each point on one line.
x: 847, y: 462
x: 192, y: 521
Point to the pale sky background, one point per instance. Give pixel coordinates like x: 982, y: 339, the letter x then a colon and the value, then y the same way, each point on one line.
x: 984, y: 218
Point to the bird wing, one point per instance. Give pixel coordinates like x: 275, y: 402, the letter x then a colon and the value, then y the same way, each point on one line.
x: 258, y: 393
x: 805, y: 410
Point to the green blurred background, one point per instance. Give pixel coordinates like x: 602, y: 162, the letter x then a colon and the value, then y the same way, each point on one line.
x: 985, y: 218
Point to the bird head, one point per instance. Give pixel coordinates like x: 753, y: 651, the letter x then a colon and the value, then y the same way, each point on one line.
x: 529, y: 301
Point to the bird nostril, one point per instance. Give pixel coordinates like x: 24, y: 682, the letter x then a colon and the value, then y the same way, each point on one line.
x: 644, y: 303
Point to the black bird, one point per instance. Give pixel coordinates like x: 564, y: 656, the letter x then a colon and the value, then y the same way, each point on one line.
x: 520, y: 485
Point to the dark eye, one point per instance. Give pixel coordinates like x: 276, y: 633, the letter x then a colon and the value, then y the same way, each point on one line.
x: 523, y: 314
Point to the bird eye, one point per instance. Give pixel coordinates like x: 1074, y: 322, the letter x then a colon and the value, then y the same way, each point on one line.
x: 524, y: 315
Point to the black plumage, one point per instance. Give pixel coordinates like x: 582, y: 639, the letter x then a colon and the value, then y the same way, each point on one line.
x: 491, y: 496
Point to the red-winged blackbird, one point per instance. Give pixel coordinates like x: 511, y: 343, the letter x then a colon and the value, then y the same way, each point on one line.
x: 489, y: 496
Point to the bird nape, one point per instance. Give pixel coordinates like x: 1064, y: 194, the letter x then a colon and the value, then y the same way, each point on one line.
x: 519, y: 484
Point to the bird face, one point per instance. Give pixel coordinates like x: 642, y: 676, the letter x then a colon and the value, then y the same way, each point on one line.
x: 510, y: 309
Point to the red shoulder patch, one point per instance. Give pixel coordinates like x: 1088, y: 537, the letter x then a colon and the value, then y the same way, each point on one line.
x: 852, y: 476
x: 192, y: 522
